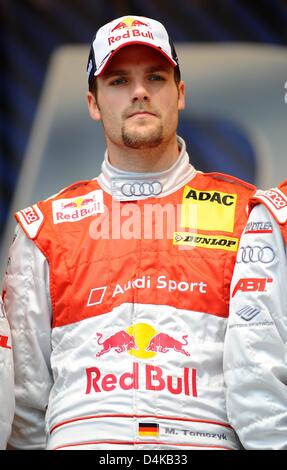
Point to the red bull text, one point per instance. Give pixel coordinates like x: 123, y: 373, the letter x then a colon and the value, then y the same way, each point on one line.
x: 133, y: 33
x: 154, y: 380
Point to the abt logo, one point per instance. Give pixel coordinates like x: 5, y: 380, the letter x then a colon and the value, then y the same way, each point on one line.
x: 251, y: 284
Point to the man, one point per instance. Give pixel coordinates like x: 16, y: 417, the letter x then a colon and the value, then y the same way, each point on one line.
x: 255, y: 357
x: 6, y: 379
x: 131, y: 269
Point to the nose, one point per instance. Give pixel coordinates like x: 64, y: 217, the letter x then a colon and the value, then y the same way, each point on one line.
x: 140, y: 93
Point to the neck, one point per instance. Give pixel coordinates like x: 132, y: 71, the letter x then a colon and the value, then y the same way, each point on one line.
x: 149, y: 160
x: 126, y: 185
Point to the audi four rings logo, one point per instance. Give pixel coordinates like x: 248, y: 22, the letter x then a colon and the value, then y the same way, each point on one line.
x: 152, y: 188
x: 254, y: 254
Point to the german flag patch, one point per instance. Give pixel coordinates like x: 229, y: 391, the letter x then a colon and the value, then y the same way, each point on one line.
x: 148, y: 429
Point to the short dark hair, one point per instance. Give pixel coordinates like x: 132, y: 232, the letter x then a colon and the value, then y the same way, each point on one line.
x: 94, y: 86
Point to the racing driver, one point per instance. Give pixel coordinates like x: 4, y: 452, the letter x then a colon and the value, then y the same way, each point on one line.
x: 118, y: 287
x: 6, y: 379
x: 255, y: 360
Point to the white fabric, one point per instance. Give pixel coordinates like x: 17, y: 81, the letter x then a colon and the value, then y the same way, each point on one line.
x: 112, y: 179
x: 27, y: 304
x: 125, y: 31
x: 6, y: 379
x: 255, y: 359
x: 41, y: 363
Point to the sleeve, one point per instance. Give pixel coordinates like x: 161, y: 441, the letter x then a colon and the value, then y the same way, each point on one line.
x: 28, y: 308
x: 7, y: 402
x: 255, y: 356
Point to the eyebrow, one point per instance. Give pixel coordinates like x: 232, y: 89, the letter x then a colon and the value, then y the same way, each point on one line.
x: 124, y: 72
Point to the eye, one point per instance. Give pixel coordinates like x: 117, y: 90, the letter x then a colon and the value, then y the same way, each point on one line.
x: 155, y: 77
x: 118, y: 81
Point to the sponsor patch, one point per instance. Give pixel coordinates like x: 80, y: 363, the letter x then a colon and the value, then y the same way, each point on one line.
x: 148, y: 429
x: 255, y: 254
x: 128, y: 28
x: 247, y: 313
x: 258, y: 227
x: 276, y: 202
x: 208, y: 210
x: 78, y: 208
x: 31, y: 220
x: 251, y: 284
x: 204, y: 240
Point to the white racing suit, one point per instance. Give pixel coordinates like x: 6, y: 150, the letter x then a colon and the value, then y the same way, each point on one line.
x: 119, y: 339
x: 6, y: 379
x: 255, y: 358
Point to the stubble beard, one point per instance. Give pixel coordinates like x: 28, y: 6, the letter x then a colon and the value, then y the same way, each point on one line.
x: 142, y: 139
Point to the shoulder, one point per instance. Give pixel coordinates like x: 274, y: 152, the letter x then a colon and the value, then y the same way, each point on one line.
x: 32, y: 218
x: 274, y: 199
x: 75, y: 189
x: 229, y: 180
x: 224, y: 184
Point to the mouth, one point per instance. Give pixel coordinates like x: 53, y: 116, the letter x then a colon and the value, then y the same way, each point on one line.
x: 141, y: 114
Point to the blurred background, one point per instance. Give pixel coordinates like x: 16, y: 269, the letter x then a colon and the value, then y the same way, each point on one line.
x: 233, y: 57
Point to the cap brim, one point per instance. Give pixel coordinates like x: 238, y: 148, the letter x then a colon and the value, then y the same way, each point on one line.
x: 105, y: 64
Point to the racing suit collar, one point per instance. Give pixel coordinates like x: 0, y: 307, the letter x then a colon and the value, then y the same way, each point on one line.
x: 130, y: 186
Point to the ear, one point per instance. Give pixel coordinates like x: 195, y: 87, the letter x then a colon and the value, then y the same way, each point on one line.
x: 181, y: 96
x: 93, y: 107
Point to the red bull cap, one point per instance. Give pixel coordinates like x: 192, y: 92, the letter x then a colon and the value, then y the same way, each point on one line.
x: 126, y: 31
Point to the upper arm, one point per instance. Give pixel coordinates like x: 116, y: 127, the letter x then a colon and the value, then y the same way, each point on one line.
x: 255, y: 348
x: 27, y: 304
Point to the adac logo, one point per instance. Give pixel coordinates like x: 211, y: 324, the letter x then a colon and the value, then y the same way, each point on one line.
x: 208, y: 210
x: 142, y: 341
x: 128, y: 23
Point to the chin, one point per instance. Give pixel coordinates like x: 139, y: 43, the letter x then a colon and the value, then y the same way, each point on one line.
x: 142, y: 139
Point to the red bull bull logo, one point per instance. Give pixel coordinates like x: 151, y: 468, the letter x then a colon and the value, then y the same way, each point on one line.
x: 128, y: 23
x: 77, y: 208
x: 163, y: 343
x: 142, y: 341
x: 120, y: 342
x: 78, y: 203
x: 129, y: 28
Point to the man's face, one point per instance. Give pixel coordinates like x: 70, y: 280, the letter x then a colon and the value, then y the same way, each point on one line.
x: 137, y: 99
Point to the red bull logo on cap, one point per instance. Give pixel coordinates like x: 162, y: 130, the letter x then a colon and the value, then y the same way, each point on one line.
x: 130, y: 28
x: 129, y: 23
